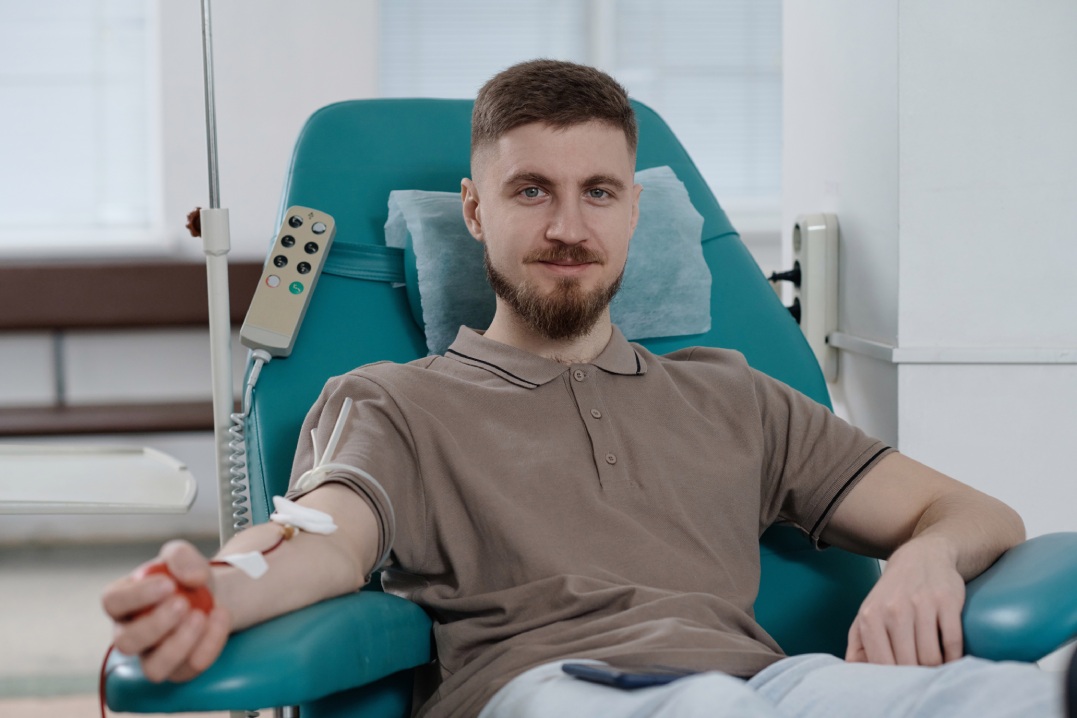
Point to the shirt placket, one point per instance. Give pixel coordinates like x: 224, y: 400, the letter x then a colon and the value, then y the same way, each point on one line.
x: 585, y: 382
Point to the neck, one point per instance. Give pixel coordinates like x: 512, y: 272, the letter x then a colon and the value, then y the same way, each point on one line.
x: 507, y: 328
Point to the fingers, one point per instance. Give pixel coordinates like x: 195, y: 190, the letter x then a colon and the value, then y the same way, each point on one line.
x: 926, y: 632
x: 176, y: 642
x: 170, y: 654
x: 902, y: 638
x: 909, y: 635
x: 211, y: 643
x: 124, y: 598
x: 854, y: 652
x: 874, y: 636
x: 142, y: 590
x: 952, y: 635
x: 154, y: 619
x: 189, y: 649
x: 186, y: 563
x: 139, y: 635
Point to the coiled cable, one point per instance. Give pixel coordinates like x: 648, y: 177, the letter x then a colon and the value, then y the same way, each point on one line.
x: 237, y: 446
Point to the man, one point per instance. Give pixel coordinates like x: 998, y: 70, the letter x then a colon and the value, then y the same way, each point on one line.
x: 549, y: 491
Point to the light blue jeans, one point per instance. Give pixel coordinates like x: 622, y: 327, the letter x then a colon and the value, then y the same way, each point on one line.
x: 806, y: 686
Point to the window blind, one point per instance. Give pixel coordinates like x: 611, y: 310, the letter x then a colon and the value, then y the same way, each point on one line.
x: 76, y: 80
x: 711, y: 68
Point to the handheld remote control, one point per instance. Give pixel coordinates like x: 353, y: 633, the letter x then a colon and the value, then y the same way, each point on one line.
x: 288, y: 280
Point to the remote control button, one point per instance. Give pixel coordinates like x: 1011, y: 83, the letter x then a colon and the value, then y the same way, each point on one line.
x: 273, y: 281
x: 318, y: 228
x: 302, y: 267
x: 311, y: 248
x: 287, y: 241
x: 280, y: 260
x: 295, y: 287
x: 295, y: 221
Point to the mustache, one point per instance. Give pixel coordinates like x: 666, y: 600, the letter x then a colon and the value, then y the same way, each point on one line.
x: 575, y: 253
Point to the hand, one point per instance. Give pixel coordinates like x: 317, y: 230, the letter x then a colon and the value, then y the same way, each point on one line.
x: 913, y: 615
x: 152, y: 620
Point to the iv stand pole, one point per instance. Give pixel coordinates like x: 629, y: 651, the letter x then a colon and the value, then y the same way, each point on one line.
x: 216, y: 244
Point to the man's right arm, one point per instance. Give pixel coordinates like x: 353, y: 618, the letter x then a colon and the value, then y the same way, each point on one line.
x: 176, y: 642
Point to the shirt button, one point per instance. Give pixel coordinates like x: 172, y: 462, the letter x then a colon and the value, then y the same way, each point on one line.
x: 579, y: 375
x: 596, y: 413
x: 611, y: 459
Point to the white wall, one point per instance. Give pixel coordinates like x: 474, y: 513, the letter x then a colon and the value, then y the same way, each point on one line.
x: 276, y: 61
x: 840, y: 155
x: 941, y: 134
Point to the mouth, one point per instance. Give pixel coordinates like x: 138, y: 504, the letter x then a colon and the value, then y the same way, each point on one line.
x: 565, y: 267
x: 568, y: 256
x: 566, y: 262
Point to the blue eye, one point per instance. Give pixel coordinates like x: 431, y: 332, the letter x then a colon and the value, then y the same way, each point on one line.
x: 597, y: 193
x: 531, y: 192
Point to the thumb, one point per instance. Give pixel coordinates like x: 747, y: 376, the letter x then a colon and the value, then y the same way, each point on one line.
x: 186, y: 564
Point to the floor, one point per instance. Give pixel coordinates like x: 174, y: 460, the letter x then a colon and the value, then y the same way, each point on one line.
x: 53, y: 626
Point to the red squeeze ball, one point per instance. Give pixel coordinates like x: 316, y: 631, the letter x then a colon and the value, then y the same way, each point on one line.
x: 199, y: 597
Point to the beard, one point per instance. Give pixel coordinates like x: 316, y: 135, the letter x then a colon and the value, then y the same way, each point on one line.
x: 566, y: 312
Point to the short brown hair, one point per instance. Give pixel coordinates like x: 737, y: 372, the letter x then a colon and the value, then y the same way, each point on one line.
x: 557, y: 93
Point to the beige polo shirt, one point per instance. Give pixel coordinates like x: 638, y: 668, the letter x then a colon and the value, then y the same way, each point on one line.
x: 607, y: 510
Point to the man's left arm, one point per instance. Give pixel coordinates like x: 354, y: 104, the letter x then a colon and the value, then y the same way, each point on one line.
x: 936, y: 533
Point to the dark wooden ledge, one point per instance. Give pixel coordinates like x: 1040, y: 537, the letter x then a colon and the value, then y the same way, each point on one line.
x: 116, y: 295
x: 135, y: 294
x: 107, y: 419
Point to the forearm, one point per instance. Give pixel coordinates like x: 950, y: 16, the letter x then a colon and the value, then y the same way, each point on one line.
x: 304, y: 569
x: 936, y: 533
x: 971, y: 528
x: 902, y: 504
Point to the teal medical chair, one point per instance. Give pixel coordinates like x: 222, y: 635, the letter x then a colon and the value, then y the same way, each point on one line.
x: 354, y: 655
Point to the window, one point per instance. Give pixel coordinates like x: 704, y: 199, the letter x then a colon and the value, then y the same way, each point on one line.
x: 77, y: 128
x: 711, y: 69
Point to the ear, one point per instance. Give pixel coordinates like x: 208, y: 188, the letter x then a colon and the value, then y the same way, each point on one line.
x: 637, y: 190
x: 469, y: 196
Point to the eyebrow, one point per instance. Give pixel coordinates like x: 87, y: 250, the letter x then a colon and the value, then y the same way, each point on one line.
x: 530, y: 178
x: 540, y: 179
x: 604, y: 179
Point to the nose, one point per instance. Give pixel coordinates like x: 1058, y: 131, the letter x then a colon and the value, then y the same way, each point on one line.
x: 567, y: 223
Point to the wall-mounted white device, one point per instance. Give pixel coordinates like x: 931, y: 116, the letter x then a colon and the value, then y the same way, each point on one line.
x: 815, y: 254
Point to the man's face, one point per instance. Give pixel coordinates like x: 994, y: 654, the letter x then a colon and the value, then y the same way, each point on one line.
x: 555, y: 209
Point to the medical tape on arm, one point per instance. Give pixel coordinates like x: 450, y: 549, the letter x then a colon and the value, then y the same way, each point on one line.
x: 292, y: 517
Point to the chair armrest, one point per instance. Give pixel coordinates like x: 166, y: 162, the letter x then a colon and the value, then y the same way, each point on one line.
x: 337, y: 644
x: 1025, y: 606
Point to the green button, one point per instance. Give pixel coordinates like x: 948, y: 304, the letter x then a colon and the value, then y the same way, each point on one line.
x: 296, y: 287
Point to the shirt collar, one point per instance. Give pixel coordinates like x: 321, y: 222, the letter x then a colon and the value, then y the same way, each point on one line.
x: 530, y: 370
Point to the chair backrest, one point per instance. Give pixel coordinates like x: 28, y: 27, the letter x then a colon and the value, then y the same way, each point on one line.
x: 350, y: 155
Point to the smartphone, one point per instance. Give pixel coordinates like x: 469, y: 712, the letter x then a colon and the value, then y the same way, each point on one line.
x: 626, y: 678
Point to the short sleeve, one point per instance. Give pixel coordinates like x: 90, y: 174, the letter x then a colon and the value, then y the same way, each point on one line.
x: 375, y: 439
x: 812, y: 458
